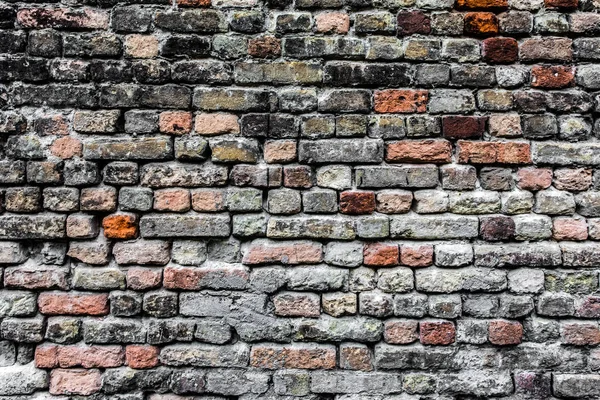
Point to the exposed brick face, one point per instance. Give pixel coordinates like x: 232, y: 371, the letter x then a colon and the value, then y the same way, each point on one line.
x: 309, y: 199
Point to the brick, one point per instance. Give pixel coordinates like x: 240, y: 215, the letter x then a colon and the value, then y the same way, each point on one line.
x: 394, y: 202
x: 534, y: 178
x: 266, y: 252
x: 548, y: 49
x: 483, y: 4
x: 293, y: 304
x: 401, y: 332
x: 141, y: 357
x: 280, y: 151
x: 413, y: 22
x: 459, y: 127
x: 569, y: 229
x: 552, y: 77
x: 504, y: 333
x: 355, y: 202
x: 75, y: 381
x: 143, y: 278
x: 494, y: 152
x: 381, y: 254
x: 73, y: 304
x: 437, y: 333
x: 120, y: 226
x: 264, y: 47
x: 561, y: 3
x: 174, y: 200
x: 53, y: 356
x: 401, y: 101
x: 500, y: 50
x: 63, y: 18
x: 416, y: 256
x: 66, y: 147
x: 175, y: 122
x: 420, y: 151
x: 481, y: 24
x: 338, y: 23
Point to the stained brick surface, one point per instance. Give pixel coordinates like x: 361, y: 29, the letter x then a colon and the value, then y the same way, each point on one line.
x: 309, y: 199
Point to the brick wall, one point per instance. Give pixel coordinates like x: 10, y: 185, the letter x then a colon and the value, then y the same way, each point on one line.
x: 309, y: 199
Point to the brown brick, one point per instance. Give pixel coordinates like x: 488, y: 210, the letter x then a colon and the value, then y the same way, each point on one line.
x: 208, y: 200
x: 355, y: 357
x: 500, y: 50
x: 462, y: 127
x: 494, y: 152
x: 561, y: 3
x: 534, y: 178
x: 401, y: 101
x: 580, y: 333
x: 481, y: 4
x: 297, y: 177
x: 496, y: 228
x: 354, y: 202
x: 280, y: 151
x: 264, y: 47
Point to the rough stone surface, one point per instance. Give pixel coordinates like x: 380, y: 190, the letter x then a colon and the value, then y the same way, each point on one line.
x: 312, y: 200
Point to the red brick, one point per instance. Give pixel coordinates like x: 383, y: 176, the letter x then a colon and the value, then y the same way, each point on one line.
x: 143, y: 278
x: 194, y: 278
x: 401, y: 332
x: 208, y: 200
x: 66, y: 147
x: 534, y: 178
x: 120, y: 226
x: 73, y: 304
x: 354, y: 202
x: 260, y: 252
x: 297, y: 177
x: 175, y: 200
x: 356, y: 357
x: 280, y: 151
x: 481, y: 24
x: 570, y: 229
x: 493, y: 152
x: 420, y: 151
x: 482, y: 4
x: 295, y: 356
x: 401, y: 101
x: 142, y: 356
x: 63, y: 18
x: 561, y: 3
x: 580, y: 333
x: 175, y: 122
x: 75, y: 381
x: 142, y: 46
x: 332, y: 22
x: 381, y: 254
x: 500, y: 50
x: 552, y: 77
x: 437, y: 333
x: 53, y: 356
x: 413, y: 22
x: 416, y: 255
x: 462, y: 127
x: 264, y: 47
x: 293, y: 304
x: 505, y: 332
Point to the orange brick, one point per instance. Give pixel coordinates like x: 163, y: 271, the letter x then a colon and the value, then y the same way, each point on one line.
x: 481, y: 24
x: 494, y: 152
x: 401, y: 101
x: 420, y: 151
x: 120, y: 226
x: 482, y: 4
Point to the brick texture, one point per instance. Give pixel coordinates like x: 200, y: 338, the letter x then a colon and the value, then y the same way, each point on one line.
x: 310, y: 199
